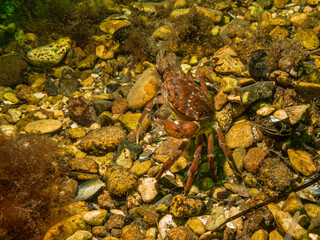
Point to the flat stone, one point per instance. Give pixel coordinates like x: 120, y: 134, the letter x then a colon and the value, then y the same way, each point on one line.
x: 104, y: 140
x: 95, y: 217
x: 240, y: 135
x: 216, y: 218
x: 80, y: 235
x: 295, y: 113
x: 124, y: 159
x: 145, y: 88
x: 257, y: 91
x: 141, y: 168
x: 83, y: 165
x: 43, y: 126
x: 165, y: 224
x: 302, y: 161
x: 184, y: 207
x: 196, y: 226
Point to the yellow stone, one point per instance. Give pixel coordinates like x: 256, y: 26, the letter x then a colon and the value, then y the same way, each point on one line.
x: 308, y: 37
x: 11, y: 97
x: 302, y: 161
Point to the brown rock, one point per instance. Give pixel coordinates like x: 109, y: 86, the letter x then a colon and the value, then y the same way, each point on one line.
x: 82, y: 111
x: 253, y: 159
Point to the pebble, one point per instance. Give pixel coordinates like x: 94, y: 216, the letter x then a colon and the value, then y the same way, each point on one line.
x: 184, y: 207
x: 308, y: 37
x: 216, y: 218
x: 228, y: 84
x: 256, y: 91
x: 196, y: 226
x: 8, y: 130
x: 292, y: 204
x: 179, y: 165
x: 119, y: 180
x: 11, y: 97
x: 253, y: 159
x: 240, y: 135
x: 144, y: 89
x: 101, y: 141
x: 80, y: 235
x: 180, y: 232
x: 124, y: 159
x: 96, y: 217
x: 83, y: 165
x: 66, y: 228
x: 130, y: 121
x: 76, y: 133
x: 148, y: 190
x: 165, y: 224
x: 43, y: 126
x: 141, y: 168
x: 302, y: 161
x: 295, y: 113
x: 260, y: 235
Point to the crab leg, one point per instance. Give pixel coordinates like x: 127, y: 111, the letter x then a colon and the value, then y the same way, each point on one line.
x: 211, y: 156
x: 145, y: 113
x: 195, y: 164
x: 175, y: 156
x: 226, y: 150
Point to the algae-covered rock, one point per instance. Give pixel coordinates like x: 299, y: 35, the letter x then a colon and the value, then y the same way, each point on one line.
x: 119, y: 180
x: 104, y: 140
x: 51, y: 54
x: 302, y: 161
x: 66, y: 228
x: 11, y: 67
x: 183, y: 207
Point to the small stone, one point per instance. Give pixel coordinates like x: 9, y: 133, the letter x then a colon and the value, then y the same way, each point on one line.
x: 147, y: 189
x: 196, y: 226
x: 257, y: 91
x: 308, y: 37
x: 216, y: 218
x: 302, y: 161
x: 141, y: 168
x: 313, y: 2
x: 312, y: 210
x: 95, y: 217
x: 15, y: 114
x: 253, y: 159
x: 260, y: 235
x: 284, y: 221
x: 292, y: 204
x: 115, y: 221
x: 228, y: 84
x: 183, y: 207
x: 275, y: 235
x: 83, y: 165
x: 295, y: 113
x: 280, y: 3
x: 132, y: 232
x: 144, y: 89
x: 165, y: 224
x: 124, y: 159
x: 179, y: 165
x: 88, y: 62
x: 76, y: 133
x: 82, y: 111
x: 99, y: 231
x: 8, y: 130
x: 130, y: 121
x: 298, y: 18
x: 265, y: 111
x: 193, y: 60
x: 240, y: 135
x: 120, y: 105
x: 80, y: 235
x: 66, y: 228
x: 220, y: 100
x: 105, y: 200
x: 119, y: 180
x: 179, y: 233
x: 152, y: 233
x: 104, y: 140
x: 11, y: 97
x: 281, y: 114
x: 43, y: 126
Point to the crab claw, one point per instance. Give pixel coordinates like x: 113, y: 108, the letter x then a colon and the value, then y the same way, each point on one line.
x: 180, y: 129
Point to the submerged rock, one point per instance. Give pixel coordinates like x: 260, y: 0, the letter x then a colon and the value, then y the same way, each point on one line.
x: 102, y: 141
x: 51, y: 54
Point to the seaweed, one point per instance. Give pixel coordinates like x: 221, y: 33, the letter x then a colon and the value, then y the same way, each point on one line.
x: 191, y: 31
x: 26, y: 175
x: 48, y: 18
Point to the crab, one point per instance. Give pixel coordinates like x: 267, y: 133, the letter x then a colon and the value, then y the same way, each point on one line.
x: 194, y: 110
